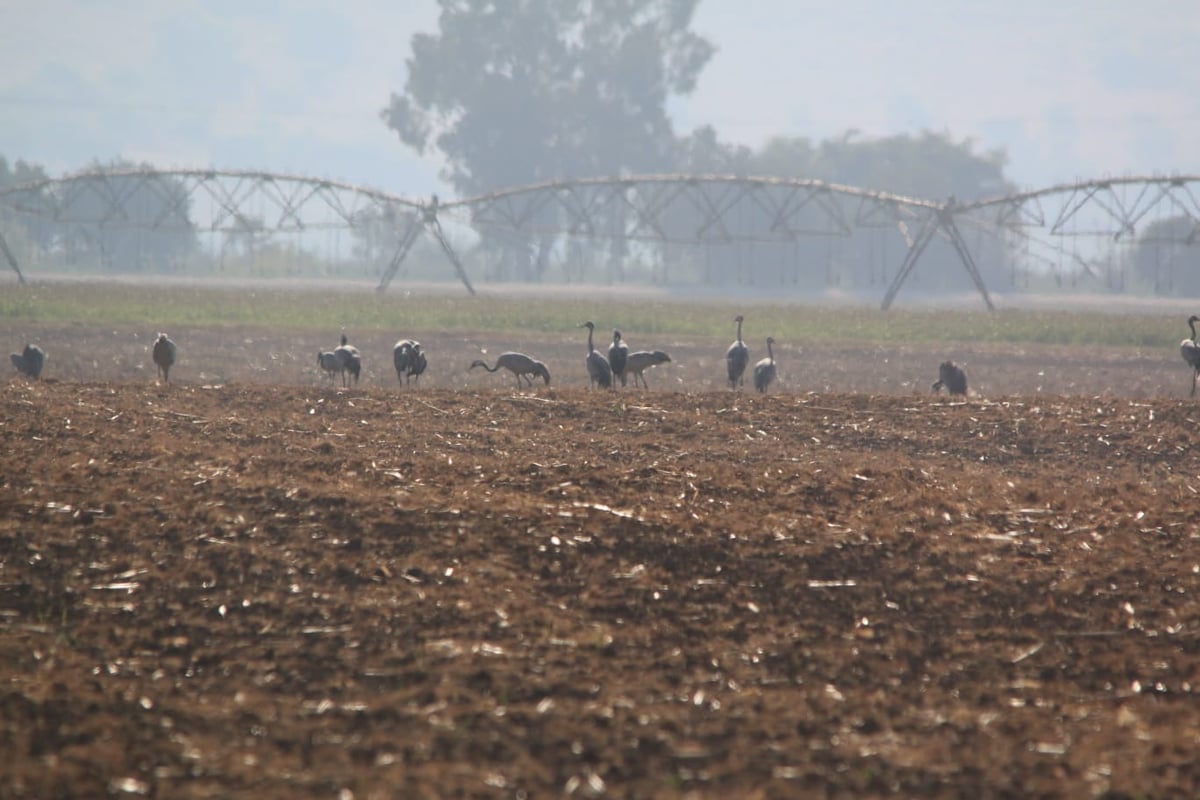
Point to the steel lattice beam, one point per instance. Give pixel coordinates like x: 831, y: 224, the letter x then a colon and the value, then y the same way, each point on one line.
x: 695, y: 209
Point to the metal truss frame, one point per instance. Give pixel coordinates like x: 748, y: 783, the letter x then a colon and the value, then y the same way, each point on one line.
x: 695, y: 209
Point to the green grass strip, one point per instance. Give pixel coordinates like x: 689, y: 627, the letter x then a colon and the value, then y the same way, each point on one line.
x: 332, y: 308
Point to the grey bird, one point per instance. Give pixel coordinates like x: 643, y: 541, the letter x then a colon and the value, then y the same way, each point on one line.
x: 419, y: 363
x: 164, y: 356
x: 350, y: 361
x: 1190, y: 350
x: 520, y: 365
x: 409, y: 360
x: 618, y: 352
x: 599, y: 370
x: 737, y: 357
x: 30, y: 361
x: 330, y: 363
x: 640, y: 361
x: 764, y: 371
x: 951, y: 376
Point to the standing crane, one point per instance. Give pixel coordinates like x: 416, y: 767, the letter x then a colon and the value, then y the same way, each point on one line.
x: 618, y: 352
x: 737, y: 357
x: 1190, y: 350
x: 599, y: 370
x: 164, y: 356
x: 350, y: 360
x: 764, y: 371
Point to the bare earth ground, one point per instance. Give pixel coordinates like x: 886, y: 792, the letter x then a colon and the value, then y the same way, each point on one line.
x: 254, y: 583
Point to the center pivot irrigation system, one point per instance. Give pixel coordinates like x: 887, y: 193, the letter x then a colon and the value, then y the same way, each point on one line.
x: 704, y: 210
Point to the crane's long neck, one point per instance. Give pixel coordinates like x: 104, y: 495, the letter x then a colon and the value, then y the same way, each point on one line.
x: 590, y: 347
x: 1192, y: 325
x: 770, y: 352
x: 739, y: 333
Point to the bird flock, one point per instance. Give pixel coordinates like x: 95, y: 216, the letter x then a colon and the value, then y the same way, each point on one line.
x: 344, y: 362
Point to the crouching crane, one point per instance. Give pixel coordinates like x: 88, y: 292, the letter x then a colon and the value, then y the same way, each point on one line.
x: 520, y: 365
x: 952, y: 377
x: 642, y: 360
x: 30, y: 361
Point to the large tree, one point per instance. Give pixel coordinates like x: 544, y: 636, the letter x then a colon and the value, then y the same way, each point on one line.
x: 28, y: 229
x: 134, y: 221
x: 1166, y: 256
x: 522, y: 91
x: 930, y: 166
x: 20, y: 172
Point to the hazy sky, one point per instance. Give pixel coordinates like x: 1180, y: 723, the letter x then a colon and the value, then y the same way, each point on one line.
x: 1073, y: 89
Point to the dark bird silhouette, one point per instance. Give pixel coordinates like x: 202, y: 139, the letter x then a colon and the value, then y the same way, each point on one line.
x: 764, y: 371
x: 642, y: 360
x: 1190, y: 350
x: 618, y: 352
x: 520, y: 365
x: 737, y: 357
x: 164, y: 356
x: 330, y: 363
x: 952, y: 377
x: 350, y: 361
x: 30, y: 361
x: 409, y: 360
x: 419, y: 363
x: 599, y: 370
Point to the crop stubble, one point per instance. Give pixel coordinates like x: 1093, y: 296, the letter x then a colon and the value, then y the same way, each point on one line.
x: 289, y: 590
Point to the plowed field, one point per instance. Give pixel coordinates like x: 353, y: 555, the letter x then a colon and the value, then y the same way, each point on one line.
x: 253, y: 583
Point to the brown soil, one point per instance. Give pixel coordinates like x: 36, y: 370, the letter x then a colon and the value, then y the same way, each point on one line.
x: 251, y: 583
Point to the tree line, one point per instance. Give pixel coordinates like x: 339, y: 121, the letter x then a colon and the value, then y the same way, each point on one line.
x: 540, y: 90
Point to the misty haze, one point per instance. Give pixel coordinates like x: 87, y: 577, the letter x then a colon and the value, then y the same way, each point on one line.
x: 568, y: 96
x: 599, y: 398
